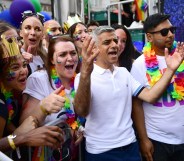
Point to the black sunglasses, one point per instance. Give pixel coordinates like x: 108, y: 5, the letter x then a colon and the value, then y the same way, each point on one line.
x: 29, y: 13
x: 165, y: 31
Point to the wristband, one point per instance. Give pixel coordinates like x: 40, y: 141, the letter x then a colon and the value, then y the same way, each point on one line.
x: 43, y: 109
x: 11, y: 142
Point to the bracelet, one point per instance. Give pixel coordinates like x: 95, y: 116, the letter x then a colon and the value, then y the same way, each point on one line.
x: 43, y: 109
x: 11, y: 142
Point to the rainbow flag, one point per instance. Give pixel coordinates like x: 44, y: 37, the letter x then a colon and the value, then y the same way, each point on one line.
x: 141, y: 8
x: 38, y: 154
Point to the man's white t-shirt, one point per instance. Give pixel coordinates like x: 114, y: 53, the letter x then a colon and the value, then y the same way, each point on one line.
x: 109, y: 124
x: 164, y: 120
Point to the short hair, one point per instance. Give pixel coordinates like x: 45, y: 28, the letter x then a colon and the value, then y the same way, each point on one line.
x: 101, y: 29
x: 93, y: 23
x: 154, y: 20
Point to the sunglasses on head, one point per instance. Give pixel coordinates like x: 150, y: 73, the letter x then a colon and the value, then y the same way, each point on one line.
x: 59, y: 36
x: 29, y: 13
x: 165, y: 31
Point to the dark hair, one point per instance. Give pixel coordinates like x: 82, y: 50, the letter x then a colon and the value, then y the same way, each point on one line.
x: 93, y: 23
x: 154, y: 20
x: 71, y: 30
x: 51, y: 49
x: 127, y: 56
x: 4, y: 26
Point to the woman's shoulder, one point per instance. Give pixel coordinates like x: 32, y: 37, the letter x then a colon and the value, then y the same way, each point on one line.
x: 39, y: 74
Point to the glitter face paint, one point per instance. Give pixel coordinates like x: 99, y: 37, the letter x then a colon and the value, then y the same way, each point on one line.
x: 76, y: 37
x: 80, y: 32
x: 49, y: 33
x: 10, y: 76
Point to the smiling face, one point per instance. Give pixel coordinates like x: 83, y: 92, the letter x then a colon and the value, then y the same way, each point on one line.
x: 108, y: 46
x: 122, y: 38
x: 13, y: 69
x: 15, y: 75
x: 79, y: 35
x: 65, y: 59
x: 31, y: 32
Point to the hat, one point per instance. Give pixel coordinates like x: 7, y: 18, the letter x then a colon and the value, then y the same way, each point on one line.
x: 71, y: 21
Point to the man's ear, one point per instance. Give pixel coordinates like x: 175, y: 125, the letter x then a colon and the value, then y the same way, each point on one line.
x: 149, y: 37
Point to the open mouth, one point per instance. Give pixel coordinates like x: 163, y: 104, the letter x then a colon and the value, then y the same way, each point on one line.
x: 32, y: 40
x: 113, y: 53
x: 22, y: 80
x: 69, y: 67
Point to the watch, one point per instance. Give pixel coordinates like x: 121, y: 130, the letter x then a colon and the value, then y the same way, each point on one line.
x: 11, y: 142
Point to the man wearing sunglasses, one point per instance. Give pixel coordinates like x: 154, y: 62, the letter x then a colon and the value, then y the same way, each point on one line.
x: 160, y: 126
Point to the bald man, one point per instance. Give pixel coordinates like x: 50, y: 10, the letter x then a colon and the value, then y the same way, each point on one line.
x: 51, y: 28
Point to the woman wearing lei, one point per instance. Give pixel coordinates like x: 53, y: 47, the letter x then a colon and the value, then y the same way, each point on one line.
x: 13, y: 76
x: 56, y: 84
x: 160, y: 125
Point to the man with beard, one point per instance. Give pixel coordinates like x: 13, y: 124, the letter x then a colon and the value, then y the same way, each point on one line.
x: 160, y: 126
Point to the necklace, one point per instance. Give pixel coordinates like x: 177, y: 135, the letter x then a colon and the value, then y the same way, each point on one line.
x: 153, y: 74
x: 74, y: 122
x: 8, y: 98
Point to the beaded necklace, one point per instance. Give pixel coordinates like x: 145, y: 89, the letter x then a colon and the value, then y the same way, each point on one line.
x: 175, y: 88
x: 8, y: 98
x: 74, y: 122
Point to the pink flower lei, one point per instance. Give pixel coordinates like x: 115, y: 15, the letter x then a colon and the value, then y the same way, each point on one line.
x: 175, y: 88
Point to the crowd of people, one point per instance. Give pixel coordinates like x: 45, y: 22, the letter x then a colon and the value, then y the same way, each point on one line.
x: 89, y: 86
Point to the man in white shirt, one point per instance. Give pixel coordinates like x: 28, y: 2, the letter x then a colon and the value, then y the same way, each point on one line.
x: 104, y: 97
x: 160, y: 126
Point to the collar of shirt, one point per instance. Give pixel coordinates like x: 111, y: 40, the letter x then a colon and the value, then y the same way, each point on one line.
x: 101, y: 70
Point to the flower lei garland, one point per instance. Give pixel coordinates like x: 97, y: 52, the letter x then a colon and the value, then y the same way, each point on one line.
x: 74, y: 122
x: 175, y: 88
x: 8, y: 98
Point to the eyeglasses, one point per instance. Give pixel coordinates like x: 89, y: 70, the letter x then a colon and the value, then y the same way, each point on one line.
x: 165, y: 31
x: 29, y: 13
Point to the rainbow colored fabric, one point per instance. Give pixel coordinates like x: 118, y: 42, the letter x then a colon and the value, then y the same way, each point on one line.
x: 141, y: 7
x: 176, y: 87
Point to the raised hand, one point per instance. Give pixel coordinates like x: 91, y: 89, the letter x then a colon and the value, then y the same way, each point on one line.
x: 89, y: 53
x: 27, y: 56
x: 54, y: 102
x: 173, y: 61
